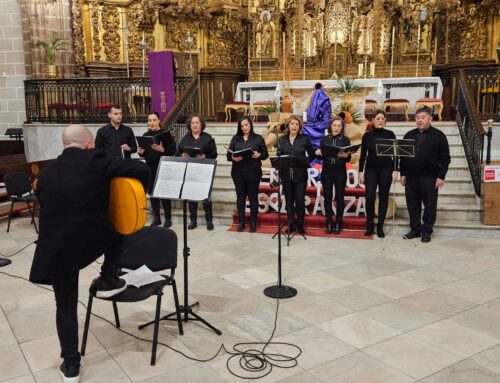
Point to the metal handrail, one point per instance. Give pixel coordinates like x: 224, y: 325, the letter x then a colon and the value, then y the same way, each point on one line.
x: 471, y: 130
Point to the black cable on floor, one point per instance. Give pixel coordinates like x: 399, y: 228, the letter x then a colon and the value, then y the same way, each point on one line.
x: 252, y: 360
x: 17, y: 252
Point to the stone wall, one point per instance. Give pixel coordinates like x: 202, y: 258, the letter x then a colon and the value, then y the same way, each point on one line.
x: 12, y: 69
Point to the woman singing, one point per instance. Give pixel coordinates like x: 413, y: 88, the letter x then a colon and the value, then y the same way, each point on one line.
x: 376, y: 171
x: 246, y: 171
x: 294, y: 180
x: 334, y: 173
x: 165, y: 147
x: 197, y: 138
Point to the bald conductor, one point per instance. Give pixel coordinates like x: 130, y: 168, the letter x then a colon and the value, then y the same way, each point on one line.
x: 75, y: 231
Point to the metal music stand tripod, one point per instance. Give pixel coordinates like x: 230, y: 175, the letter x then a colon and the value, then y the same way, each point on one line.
x: 285, y: 163
x: 396, y: 148
x: 186, y: 309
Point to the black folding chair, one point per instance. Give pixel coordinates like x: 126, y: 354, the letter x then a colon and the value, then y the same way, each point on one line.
x: 19, y: 189
x: 155, y: 247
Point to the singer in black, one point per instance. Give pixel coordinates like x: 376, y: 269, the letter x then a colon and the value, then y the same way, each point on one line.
x: 423, y: 175
x: 114, y: 138
x: 375, y: 171
x: 197, y: 138
x: 334, y: 173
x: 166, y: 147
x: 294, y: 180
x: 247, y: 171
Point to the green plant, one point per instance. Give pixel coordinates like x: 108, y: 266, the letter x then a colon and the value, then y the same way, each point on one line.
x: 347, y: 85
x: 270, y: 108
x: 50, y: 48
x: 353, y: 111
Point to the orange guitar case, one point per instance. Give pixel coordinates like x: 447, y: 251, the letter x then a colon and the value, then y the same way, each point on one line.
x: 127, y: 205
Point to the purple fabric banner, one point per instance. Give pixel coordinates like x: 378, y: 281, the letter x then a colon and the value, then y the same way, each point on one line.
x: 161, y: 80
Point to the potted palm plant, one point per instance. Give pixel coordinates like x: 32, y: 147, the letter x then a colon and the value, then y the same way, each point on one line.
x: 347, y: 88
x: 50, y: 49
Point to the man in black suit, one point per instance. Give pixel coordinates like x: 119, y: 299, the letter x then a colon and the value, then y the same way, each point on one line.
x: 75, y: 231
x: 424, y: 174
x: 114, y: 138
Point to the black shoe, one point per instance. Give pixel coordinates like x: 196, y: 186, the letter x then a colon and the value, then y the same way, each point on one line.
x: 253, y: 227
x: 241, y: 227
x: 168, y: 223
x: 291, y: 228
x: 412, y: 234
x: 192, y: 225
x: 369, y: 229
x: 338, y: 228
x: 380, y: 232
x: 329, y: 227
x: 210, y: 225
x: 426, y: 237
x: 301, y: 230
x: 107, y: 288
x: 70, y: 374
x: 156, y: 222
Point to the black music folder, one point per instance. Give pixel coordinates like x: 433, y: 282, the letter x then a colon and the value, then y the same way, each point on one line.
x: 245, y: 153
x: 331, y: 151
x: 287, y: 161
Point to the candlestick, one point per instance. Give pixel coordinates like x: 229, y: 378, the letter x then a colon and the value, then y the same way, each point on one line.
x: 418, y: 49
x: 372, y: 69
x: 392, y: 48
x: 366, y: 65
x: 360, y: 70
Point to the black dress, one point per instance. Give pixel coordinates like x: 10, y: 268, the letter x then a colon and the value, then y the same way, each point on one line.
x: 247, y: 173
x: 334, y: 174
x: 378, y: 173
x: 294, y: 180
x: 153, y: 159
x: 207, y: 143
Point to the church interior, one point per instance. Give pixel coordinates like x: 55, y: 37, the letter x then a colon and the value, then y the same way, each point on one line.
x: 365, y: 308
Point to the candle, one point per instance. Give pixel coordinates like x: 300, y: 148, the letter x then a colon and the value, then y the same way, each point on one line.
x: 360, y: 69
x: 372, y: 69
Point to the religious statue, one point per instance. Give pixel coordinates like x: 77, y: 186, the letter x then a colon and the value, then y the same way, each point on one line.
x: 265, y: 35
x: 365, y: 42
x: 319, y: 113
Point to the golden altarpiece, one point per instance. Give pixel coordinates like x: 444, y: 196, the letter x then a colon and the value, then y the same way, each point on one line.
x: 227, y: 41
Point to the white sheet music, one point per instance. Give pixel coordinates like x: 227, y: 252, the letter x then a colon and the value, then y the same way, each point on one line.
x: 169, y: 180
x: 141, y: 277
x: 198, y: 181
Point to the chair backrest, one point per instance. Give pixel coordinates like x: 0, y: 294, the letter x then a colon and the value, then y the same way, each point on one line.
x: 17, y: 183
x: 153, y: 246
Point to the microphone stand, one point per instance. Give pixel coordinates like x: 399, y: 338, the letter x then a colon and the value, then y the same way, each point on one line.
x: 280, y: 291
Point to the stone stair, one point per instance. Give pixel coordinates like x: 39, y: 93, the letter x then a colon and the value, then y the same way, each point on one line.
x: 458, y: 206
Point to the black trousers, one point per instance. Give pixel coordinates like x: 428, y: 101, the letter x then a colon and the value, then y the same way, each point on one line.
x: 167, y: 207
x: 381, y: 178
x: 420, y: 190
x: 246, y: 189
x: 337, y: 178
x: 193, y: 210
x: 66, y: 294
x: 295, y: 193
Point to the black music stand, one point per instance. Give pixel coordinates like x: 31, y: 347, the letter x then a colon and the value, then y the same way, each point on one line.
x: 186, y: 309
x: 285, y: 163
x: 387, y: 147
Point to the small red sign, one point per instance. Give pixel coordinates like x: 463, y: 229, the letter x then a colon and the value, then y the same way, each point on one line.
x: 489, y: 174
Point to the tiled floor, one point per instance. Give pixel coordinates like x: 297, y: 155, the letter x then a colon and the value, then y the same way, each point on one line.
x: 367, y: 311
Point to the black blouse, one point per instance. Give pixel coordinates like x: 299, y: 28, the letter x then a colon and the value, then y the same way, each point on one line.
x: 247, y: 169
x: 301, y: 147
x: 339, y: 141
x: 153, y: 157
x: 204, y: 141
x: 369, y: 151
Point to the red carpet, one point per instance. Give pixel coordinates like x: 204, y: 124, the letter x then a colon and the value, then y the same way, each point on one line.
x: 267, y: 223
